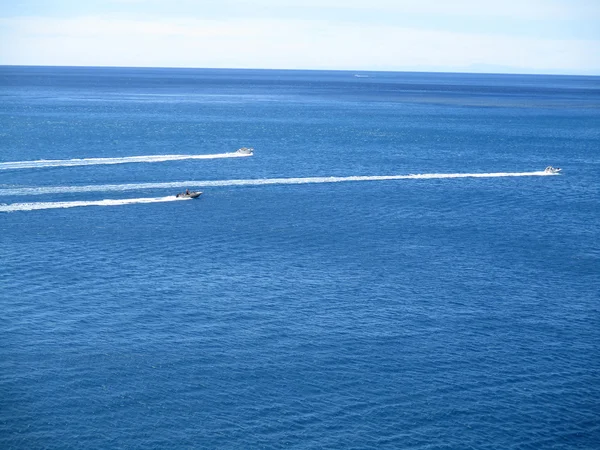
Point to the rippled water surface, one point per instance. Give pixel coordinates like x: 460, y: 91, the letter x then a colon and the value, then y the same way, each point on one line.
x: 391, y: 268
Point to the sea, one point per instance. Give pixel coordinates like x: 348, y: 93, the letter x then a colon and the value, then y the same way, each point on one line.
x: 391, y: 268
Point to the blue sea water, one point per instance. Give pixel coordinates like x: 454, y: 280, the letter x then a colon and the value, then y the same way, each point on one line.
x: 390, y: 269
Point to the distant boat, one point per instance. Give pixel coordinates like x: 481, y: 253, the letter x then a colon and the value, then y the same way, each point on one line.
x: 357, y: 75
x: 245, y: 151
x: 186, y: 194
x: 551, y: 169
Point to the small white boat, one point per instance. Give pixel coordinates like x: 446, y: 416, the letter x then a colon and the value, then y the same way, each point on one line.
x: 245, y: 151
x: 551, y: 169
x: 188, y: 194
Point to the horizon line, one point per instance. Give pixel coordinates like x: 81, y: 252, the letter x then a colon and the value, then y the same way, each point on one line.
x: 466, y: 72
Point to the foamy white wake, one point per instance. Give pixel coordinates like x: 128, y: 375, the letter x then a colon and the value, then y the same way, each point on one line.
x: 54, y: 205
x: 253, y: 182
x: 124, y: 160
x: 216, y: 183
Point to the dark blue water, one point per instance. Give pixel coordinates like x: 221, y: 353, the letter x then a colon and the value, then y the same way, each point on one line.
x: 287, y: 308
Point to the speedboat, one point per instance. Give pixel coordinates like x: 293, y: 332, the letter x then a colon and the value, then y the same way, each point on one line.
x: 190, y: 194
x: 245, y: 151
x: 551, y: 169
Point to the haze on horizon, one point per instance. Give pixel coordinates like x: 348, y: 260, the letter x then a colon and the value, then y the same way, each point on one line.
x: 527, y: 36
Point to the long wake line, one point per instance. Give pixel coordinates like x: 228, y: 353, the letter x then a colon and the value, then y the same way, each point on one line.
x: 269, y: 181
x: 253, y: 182
x: 123, y: 160
x: 54, y: 205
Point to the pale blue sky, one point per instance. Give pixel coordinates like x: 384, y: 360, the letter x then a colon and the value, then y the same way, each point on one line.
x: 512, y: 36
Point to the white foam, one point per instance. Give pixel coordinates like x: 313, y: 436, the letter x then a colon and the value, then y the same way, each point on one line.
x: 123, y: 160
x: 74, y: 204
x: 254, y: 182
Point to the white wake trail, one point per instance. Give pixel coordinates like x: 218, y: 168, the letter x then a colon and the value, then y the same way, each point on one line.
x: 74, y: 204
x: 123, y: 160
x: 255, y: 182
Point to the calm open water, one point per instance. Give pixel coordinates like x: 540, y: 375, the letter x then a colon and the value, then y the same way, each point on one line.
x: 318, y: 294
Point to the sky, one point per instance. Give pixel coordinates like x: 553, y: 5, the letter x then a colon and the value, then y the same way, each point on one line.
x: 508, y: 36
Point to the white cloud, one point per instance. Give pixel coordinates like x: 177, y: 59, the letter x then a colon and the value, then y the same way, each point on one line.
x: 456, y: 7
x: 279, y: 44
x: 515, y: 9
